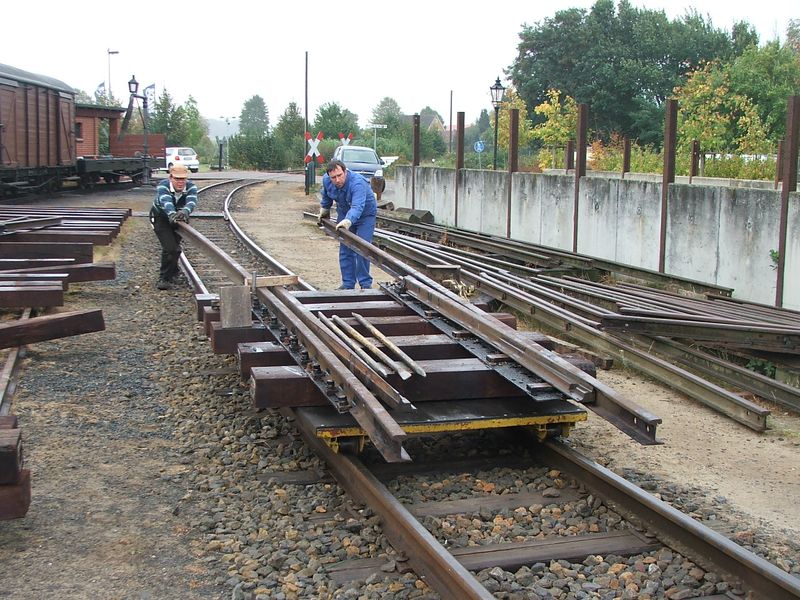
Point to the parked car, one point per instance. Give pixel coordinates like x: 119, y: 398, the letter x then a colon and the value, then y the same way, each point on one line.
x: 184, y: 156
x: 360, y: 159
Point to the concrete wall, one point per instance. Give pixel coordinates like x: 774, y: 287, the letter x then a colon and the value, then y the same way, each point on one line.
x: 721, y: 235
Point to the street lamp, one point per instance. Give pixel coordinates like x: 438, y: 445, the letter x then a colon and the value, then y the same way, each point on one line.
x: 497, y: 98
x: 110, y: 52
x: 133, y: 88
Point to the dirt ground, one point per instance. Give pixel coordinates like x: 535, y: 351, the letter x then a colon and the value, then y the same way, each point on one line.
x: 758, y: 473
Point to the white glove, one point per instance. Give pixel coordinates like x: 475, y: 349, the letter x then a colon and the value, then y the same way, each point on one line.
x: 346, y: 223
x: 324, y: 213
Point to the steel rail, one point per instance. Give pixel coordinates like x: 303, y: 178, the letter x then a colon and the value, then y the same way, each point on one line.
x: 429, y: 559
x: 517, y: 248
x: 379, y: 368
x: 410, y: 362
x: 377, y: 352
x: 681, y: 532
x: 630, y: 418
x: 255, y: 248
x: 641, y: 353
x: 369, y: 413
x: 747, y: 335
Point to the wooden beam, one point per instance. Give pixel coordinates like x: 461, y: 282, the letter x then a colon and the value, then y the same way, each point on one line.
x: 272, y: 280
x: 39, y: 329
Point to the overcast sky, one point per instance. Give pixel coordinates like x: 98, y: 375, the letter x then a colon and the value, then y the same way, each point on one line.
x: 223, y: 53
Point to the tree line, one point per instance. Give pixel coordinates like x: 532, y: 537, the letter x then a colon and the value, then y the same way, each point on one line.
x: 623, y: 62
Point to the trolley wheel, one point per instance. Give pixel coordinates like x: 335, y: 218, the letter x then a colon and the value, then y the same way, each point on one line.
x: 353, y: 444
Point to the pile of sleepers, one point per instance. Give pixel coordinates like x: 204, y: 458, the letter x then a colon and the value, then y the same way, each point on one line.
x: 42, y: 251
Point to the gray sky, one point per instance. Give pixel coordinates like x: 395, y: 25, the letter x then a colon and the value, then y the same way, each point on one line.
x: 359, y: 52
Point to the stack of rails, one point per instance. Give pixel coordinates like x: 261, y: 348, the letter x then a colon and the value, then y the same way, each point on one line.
x: 665, y: 335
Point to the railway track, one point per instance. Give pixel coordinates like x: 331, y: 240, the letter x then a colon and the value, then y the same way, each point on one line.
x: 516, y: 505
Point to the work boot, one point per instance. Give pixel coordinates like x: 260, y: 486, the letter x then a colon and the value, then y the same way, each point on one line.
x: 163, y: 284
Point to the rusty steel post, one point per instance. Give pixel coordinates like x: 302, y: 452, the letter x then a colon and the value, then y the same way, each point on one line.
x: 779, y: 164
x: 459, y: 159
x: 414, y: 161
x: 580, y: 168
x: 569, y: 155
x: 695, y: 160
x: 626, y: 156
x: 513, y: 160
x: 668, y: 177
x: 789, y: 184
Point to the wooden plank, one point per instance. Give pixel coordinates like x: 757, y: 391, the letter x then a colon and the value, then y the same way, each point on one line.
x: 274, y: 387
x: 366, y: 309
x: 323, y: 296
x: 105, y: 271
x: 10, y: 455
x: 15, y: 498
x: 8, y: 421
x: 71, y: 237
x: 261, y: 354
x: 235, y: 306
x: 491, y: 503
x: 272, y: 280
x: 21, y: 296
x: 26, y: 264
x: 82, y: 253
x: 510, y: 556
x: 39, y: 329
x: 225, y: 339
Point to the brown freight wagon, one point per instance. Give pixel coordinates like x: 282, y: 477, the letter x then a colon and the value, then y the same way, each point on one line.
x: 39, y: 142
x: 37, y: 138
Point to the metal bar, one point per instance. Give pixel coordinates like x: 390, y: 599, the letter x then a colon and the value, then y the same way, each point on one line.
x: 624, y: 414
x: 672, y: 376
x: 427, y: 556
x: 774, y: 339
x: 703, y: 545
x: 382, y: 370
x: 375, y: 384
x: 412, y: 364
x: 668, y: 177
x: 789, y: 184
x: 392, y: 364
x: 381, y: 428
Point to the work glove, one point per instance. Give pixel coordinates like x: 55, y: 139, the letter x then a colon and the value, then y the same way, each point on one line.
x: 346, y: 223
x: 173, y: 218
x: 182, y: 215
x: 324, y: 213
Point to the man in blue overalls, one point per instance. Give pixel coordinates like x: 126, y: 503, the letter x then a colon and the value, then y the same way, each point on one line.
x: 356, y: 210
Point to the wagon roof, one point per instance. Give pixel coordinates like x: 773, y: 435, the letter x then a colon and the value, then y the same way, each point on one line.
x: 15, y: 74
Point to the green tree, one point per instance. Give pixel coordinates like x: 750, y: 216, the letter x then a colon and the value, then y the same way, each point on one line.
x: 767, y: 76
x: 622, y: 62
x: 169, y: 119
x: 289, y: 136
x: 254, y: 118
x: 332, y: 119
x: 719, y: 118
x: 387, y: 112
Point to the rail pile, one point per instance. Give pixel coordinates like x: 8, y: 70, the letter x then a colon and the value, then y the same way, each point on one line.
x: 668, y: 336
x: 42, y: 251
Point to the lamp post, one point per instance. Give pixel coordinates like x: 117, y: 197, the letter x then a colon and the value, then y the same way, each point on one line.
x: 133, y: 88
x: 110, y: 52
x: 497, y: 98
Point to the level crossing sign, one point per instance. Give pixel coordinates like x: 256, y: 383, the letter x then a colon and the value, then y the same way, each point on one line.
x: 345, y: 140
x: 313, y: 150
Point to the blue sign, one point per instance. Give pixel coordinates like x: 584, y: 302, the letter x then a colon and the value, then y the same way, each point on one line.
x: 479, y: 146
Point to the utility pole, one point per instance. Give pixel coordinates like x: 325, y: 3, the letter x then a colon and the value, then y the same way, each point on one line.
x: 110, y: 52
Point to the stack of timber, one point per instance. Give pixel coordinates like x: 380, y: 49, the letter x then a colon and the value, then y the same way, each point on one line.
x: 42, y: 251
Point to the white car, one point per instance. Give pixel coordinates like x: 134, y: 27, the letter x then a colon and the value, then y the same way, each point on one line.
x: 184, y: 156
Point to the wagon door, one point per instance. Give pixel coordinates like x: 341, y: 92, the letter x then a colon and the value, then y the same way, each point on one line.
x: 8, y: 136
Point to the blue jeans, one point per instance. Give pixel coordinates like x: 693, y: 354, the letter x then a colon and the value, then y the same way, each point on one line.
x: 354, y: 267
